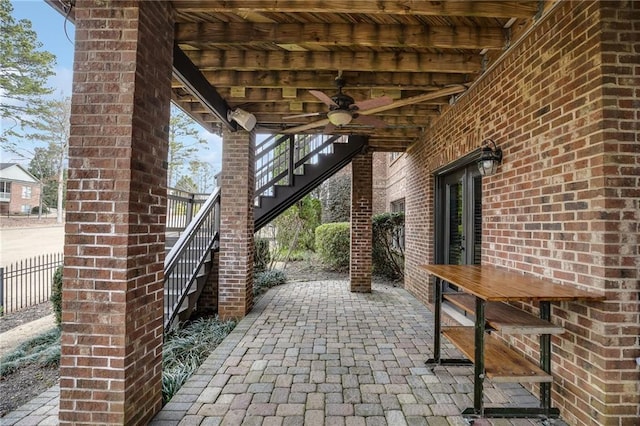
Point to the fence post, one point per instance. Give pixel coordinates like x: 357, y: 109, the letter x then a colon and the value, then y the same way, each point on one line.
x: 2, y: 289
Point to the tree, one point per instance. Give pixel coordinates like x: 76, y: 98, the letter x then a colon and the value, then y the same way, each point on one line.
x: 295, y: 229
x: 335, y: 195
x: 52, y: 128
x: 186, y: 184
x: 42, y: 166
x: 183, y: 143
x: 203, y: 175
x: 24, y: 70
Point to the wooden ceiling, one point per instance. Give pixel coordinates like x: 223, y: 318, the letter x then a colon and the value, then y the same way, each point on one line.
x: 264, y: 56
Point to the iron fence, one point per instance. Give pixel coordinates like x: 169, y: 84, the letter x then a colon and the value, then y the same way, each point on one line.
x: 28, y: 282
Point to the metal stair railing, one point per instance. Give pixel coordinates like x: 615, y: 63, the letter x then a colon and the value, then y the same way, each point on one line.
x: 279, y: 158
x: 187, y: 256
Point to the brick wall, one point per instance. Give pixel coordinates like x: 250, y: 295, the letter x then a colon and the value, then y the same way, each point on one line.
x: 361, y: 225
x: 235, y: 288
x: 563, y: 106
x: 111, y: 366
x: 396, y: 183
x: 379, y: 182
x: 208, y: 300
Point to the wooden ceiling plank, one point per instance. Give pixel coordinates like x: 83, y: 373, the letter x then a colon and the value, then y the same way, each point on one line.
x: 323, y: 34
x: 328, y: 61
x: 471, y: 8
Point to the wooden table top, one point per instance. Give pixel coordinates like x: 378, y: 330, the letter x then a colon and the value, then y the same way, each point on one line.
x: 492, y: 284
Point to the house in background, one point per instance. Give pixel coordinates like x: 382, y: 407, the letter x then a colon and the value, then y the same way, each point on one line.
x: 19, y: 190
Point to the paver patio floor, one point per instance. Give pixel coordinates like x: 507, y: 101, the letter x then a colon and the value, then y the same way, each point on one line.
x: 313, y: 353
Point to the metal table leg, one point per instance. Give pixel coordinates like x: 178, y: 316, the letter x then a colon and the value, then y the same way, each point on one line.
x: 478, y: 373
x: 438, y: 323
x: 545, y: 359
x: 437, y: 340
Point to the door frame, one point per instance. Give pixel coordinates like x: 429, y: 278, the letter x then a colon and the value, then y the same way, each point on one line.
x: 440, y: 220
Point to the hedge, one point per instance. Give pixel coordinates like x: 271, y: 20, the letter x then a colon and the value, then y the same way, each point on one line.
x: 333, y: 242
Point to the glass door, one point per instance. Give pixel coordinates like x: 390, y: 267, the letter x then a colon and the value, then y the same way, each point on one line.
x: 459, y: 217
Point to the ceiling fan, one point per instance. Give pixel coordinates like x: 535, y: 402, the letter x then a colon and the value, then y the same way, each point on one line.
x: 344, y: 110
x: 368, y: 110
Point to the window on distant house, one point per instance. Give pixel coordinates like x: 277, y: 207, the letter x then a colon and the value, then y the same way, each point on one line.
x: 26, y: 192
x: 26, y: 208
x: 5, y: 191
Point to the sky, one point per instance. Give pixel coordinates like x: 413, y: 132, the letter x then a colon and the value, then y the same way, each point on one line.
x: 50, y: 27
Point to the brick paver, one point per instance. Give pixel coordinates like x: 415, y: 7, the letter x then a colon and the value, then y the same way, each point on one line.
x: 313, y: 353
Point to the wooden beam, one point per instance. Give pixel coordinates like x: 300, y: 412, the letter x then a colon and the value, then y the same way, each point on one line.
x: 325, y: 80
x: 190, y: 76
x: 476, y: 8
x: 324, y: 34
x: 250, y: 60
x: 275, y: 95
x: 204, y: 118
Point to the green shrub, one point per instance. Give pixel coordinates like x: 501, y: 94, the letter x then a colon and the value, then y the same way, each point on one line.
x: 333, y: 241
x: 261, y: 255
x: 56, y: 295
x: 267, y: 279
x: 36, y: 209
x: 185, y: 349
x: 387, y: 255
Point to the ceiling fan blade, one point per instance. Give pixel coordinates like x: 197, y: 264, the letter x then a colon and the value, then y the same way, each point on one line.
x: 373, y: 103
x: 309, y: 114
x: 305, y: 127
x: 452, y: 90
x: 369, y: 120
x: 323, y: 97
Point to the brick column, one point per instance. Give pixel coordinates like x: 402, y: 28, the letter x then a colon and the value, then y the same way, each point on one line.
x: 111, y: 363
x: 361, y: 226
x: 235, y: 280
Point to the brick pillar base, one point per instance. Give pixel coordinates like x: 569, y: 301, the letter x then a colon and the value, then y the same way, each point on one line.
x: 361, y: 226
x: 112, y: 301
x: 235, y: 288
x: 208, y: 300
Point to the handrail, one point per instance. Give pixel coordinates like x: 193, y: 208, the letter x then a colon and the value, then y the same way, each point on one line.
x: 286, y: 155
x: 183, y: 263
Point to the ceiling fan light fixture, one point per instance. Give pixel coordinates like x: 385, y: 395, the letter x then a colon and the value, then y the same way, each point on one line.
x: 339, y: 117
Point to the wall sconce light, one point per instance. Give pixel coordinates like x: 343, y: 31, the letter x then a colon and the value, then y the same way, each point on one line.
x: 490, y: 158
x: 245, y: 119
